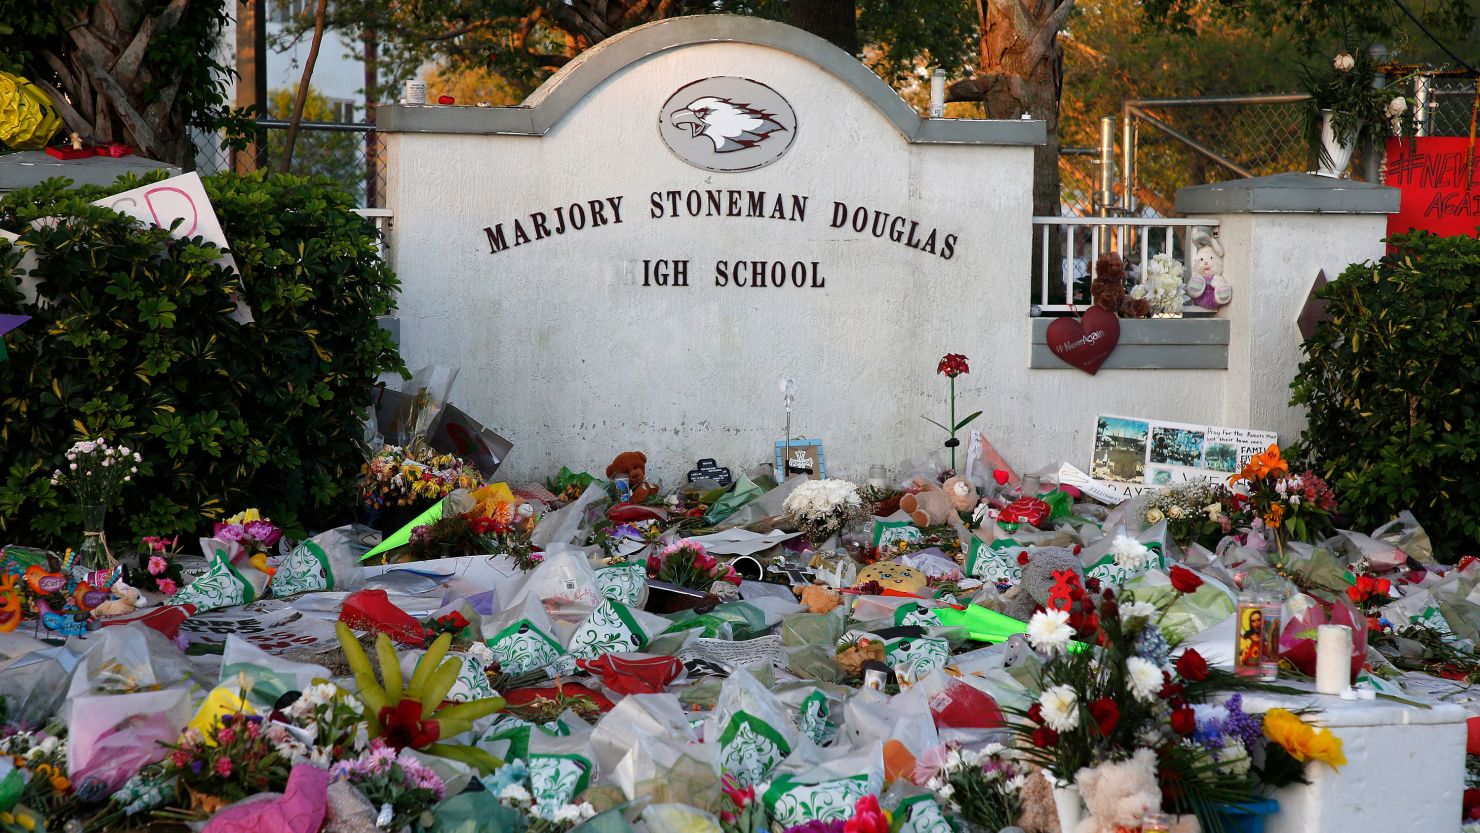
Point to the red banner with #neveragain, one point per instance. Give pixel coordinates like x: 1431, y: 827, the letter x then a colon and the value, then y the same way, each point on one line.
x: 1439, y: 177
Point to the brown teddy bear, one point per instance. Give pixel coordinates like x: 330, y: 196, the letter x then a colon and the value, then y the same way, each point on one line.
x: 931, y: 507
x: 1108, y: 289
x: 633, y: 464
x: 962, y: 493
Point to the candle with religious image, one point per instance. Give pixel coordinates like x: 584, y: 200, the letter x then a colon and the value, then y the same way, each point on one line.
x: 1256, y: 635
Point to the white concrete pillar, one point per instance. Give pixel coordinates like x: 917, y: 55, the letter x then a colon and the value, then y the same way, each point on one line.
x: 1277, y: 233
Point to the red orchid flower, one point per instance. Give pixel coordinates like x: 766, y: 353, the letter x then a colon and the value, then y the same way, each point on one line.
x: 402, y: 726
x: 952, y: 365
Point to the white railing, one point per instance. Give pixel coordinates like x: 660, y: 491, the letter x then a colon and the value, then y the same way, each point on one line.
x: 1084, y: 239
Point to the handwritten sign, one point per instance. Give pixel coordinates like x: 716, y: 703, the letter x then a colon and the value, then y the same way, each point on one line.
x: 183, y: 199
x: 1439, y: 177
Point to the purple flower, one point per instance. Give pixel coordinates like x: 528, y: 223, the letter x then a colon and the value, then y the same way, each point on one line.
x: 818, y: 826
x: 230, y: 532
x: 196, y: 765
x: 265, y: 533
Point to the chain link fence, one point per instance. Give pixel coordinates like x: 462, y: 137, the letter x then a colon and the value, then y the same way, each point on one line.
x: 350, y: 154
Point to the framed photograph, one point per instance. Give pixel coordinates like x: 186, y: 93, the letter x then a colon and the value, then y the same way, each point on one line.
x: 800, y: 457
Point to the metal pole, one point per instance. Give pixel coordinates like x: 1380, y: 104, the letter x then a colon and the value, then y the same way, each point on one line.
x: 1107, y: 164
x: 1128, y: 163
x: 1423, y: 95
x: 1193, y: 143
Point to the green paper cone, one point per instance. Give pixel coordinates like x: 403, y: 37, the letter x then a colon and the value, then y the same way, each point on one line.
x: 402, y: 536
x: 982, y: 624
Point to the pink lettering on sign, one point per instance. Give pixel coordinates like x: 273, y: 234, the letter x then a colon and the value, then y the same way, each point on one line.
x: 166, y: 209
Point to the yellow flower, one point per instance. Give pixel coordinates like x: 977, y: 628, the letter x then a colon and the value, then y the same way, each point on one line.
x: 245, y: 516
x: 1326, y: 747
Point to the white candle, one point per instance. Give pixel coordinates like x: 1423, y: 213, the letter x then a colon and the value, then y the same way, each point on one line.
x: 938, y: 94
x: 1333, y: 658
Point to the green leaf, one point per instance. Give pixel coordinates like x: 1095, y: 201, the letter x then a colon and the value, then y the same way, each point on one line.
x: 966, y: 421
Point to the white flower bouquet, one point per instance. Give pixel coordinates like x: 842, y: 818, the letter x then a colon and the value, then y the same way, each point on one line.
x: 821, y: 509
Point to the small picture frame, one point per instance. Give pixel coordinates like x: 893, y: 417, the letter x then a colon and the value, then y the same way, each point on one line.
x: 800, y: 457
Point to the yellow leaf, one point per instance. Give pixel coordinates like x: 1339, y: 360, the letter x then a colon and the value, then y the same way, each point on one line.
x: 81, y: 429
x: 56, y: 388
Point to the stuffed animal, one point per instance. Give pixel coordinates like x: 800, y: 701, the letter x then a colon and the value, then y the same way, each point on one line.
x: 962, y: 493
x: 1039, y: 813
x: 892, y: 575
x: 1038, y: 580
x: 818, y: 599
x: 633, y: 465
x: 928, y: 508
x: 125, y: 600
x: 1207, y: 287
x: 1108, y: 287
x: 1119, y: 794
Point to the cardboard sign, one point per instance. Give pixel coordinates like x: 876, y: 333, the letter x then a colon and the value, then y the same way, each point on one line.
x: 1135, y: 454
x: 800, y: 457
x: 1439, y: 177
x: 181, y: 198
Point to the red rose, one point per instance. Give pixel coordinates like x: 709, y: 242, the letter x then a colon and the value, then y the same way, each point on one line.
x: 1092, y: 585
x: 1192, y: 666
x: 1185, y: 580
x: 1035, y: 713
x: 952, y: 365
x: 1184, y: 721
x: 1106, y: 714
x: 1022, y: 558
x: 1044, y: 737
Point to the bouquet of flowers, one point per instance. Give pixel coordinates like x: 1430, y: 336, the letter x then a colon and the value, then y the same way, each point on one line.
x: 821, y: 509
x: 741, y: 811
x: 96, y: 472
x: 451, y: 535
x: 1103, y: 704
x: 1227, y: 737
x: 1298, y: 507
x: 325, y: 724
x: 249, y: 530
x: 231, y: 761
x: 157, y: 570
x: 1361, y: 106
x: 507, y: 526
x: 1161, y: 286
x: 394, y: 476
x: 544, y: 818
x: 42, y: 758
x: 402, y: 787
x: 1292, y: 743
x: 983, y: 786
x: 1193, y: 512
x: 685, y: 563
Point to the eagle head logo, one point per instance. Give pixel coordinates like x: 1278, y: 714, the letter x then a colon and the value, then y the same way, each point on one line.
x: 730, y: 125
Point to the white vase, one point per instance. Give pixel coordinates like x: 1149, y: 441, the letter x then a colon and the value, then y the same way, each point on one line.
x: 1067, y: 802
x: 1336, y: 155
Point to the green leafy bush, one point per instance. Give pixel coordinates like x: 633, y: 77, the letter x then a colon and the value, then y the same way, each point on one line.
x: 1392, y: 381
x: 133, y: 342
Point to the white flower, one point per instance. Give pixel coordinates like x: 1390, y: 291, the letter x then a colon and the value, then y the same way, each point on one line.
x: 1016, y: 782
x: 1294, y: 500
x: 989, y: 750
x: 1145, y: 678
x: 935, y: 784
x: 1343, y: 62
x: 1060, y: 708
x: 946, y: 791
x: 72, y: 466
x: 1154, y: 515
x: 482, y: 653
x: 1177, y: 512
x: 1129, y: 552
x: 1397, y: 107
x: 123, y: 449
x: 567, y: 813
x: 953, y: 760
x: 1143, y: 610
x: 1048, y: 630
x: 1214, y: 511
x: 514, y: 792
x: 318, y: 695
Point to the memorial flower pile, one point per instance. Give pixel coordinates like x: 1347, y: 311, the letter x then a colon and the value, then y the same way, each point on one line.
x: 232, y: 760
x: 1298, y: 507
x: 821, y: 509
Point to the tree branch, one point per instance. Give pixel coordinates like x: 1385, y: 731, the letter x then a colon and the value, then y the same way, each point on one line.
x: 126, y: 68
x: 74, y: 119
x: 1049, y: 30
x: 313, y: 57
x: 118, y: 97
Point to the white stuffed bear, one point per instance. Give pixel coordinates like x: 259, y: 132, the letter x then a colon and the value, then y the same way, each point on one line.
x: 1207, y: 287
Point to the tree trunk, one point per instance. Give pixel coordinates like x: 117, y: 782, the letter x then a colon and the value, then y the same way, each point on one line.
x: 1022, y: 72
x: 834, y: 20
x: 110, y: 93
x: 313, y: 58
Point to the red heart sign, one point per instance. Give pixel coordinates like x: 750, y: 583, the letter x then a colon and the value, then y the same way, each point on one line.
x: 1085, y: 342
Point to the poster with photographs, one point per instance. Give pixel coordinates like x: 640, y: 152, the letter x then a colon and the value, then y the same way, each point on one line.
x: 1135, y: 454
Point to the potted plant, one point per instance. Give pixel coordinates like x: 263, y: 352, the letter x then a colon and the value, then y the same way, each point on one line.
x: 1350, y: 103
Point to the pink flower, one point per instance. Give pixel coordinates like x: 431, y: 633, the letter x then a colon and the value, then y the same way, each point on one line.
x: 180, y: 758
x: 167, y: 586
x: 226, y: 735
x: 223, y: 766
x: 263, y: 532
x: 157, y: 565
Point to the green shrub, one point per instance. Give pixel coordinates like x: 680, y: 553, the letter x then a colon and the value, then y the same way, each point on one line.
x: 1392, y: 381
x: 135, y: 344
